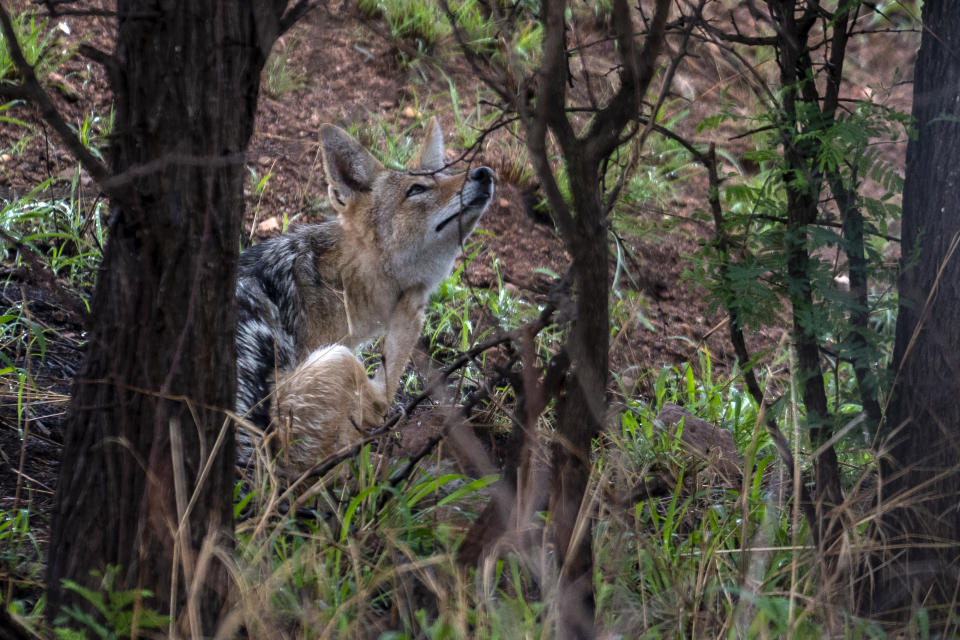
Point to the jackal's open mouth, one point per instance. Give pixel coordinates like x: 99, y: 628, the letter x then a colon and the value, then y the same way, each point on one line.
x: 448, y: 220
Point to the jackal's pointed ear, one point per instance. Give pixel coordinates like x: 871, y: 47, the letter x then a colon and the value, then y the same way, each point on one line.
x: 430, y: 157
x: 349, y: 167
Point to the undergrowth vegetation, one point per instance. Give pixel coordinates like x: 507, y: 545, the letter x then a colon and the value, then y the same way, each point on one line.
x: 39, y: 41
x: 681, y: 550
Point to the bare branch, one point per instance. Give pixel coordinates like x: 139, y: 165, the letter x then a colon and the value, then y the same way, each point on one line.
x: 116, y: 181
x: 471, y: 151
x: 54, y: 10
x: 13, y: 92
x: 294, y: 13
x: 97, y: 55
x: 838, y: 51
x: 664, y: 90
x: 36, y: 94
x: 549, y: 111
x: 638, y: 71
x: 478, y: 65
x: 737, y: 36
x: 553, y: 76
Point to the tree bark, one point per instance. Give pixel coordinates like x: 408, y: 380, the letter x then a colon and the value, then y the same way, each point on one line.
x: 920, y: 475
x: 581, y: 411
x: 144, y: 483
x: 583, y: 226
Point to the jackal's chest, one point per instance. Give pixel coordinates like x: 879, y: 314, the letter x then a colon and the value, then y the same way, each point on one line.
x: 367, y: 317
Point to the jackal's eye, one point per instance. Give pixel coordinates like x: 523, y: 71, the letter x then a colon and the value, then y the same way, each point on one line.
x: 417, y: 188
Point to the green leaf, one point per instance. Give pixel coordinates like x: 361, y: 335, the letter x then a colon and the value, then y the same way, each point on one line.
x: 469, y: 488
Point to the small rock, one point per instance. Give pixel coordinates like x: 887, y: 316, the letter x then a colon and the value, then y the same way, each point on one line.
x: 410, y: 113
x: 264, y: 160
x: 269, y: 225
x: 5, y: 158
x: 715, y: 445
x: 386, y: 104
x: 503, y: 202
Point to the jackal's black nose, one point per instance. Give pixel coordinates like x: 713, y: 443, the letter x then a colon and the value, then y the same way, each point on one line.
x: 483, y: 175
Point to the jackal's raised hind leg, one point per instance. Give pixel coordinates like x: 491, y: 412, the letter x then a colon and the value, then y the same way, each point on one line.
x: 319, y: 405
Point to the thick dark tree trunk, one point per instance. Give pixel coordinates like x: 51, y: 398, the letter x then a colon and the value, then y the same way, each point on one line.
x: 920, y: 476
x: 144, y: 484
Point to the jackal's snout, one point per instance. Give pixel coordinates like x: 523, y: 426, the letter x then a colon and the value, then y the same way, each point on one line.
x: 481, y: 180
x: 469, y: 203
x: 483, y: 175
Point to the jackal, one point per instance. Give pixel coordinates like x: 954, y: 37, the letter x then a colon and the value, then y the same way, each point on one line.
x: 307, y: 299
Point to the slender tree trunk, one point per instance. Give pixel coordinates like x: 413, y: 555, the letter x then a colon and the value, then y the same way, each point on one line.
x: 803, y: 190
x: 581, y: 412
x: 144, y: 483
x: 920, y: 475
x: 739, y: 342
x: 581, y: 407
x: 857, y: 339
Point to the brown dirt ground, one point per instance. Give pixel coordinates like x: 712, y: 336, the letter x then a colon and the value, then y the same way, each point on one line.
x: 350, y: 74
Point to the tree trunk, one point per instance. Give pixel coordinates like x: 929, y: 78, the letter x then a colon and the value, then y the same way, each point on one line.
x: 147, y: 408
x: 581, y: 408
x: 924, y: 414
x: 803, y: 185
x: 580, y: 416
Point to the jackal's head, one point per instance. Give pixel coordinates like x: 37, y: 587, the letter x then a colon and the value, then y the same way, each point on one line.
x: 415, y: 220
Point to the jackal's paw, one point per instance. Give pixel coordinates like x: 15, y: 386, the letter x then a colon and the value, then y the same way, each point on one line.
x: 373, y: 406
x: 378, y: 382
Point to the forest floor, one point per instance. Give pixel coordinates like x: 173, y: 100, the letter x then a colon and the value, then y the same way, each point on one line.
x: 337, y: 68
